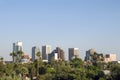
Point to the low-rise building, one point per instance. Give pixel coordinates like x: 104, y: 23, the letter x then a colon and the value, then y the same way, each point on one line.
x: 110, y: 57
x: 25, y: 58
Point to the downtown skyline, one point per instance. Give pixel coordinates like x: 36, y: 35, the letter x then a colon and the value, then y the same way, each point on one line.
x: 65, y: 24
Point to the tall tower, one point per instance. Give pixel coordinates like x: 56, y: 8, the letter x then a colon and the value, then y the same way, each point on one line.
x: 60, y: 53
x: 89, y: 53
x: 34, y: 51
x: 57, y: 54
x: 73, y: 53
x: 16, y: 48
x: 46, y: 50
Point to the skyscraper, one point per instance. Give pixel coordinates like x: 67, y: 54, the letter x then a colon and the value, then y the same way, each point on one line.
x: 57, y: 54
x: 46, y: 50
x: 89, y: 53
x: 16, y: 48
x: 73, y: 53
x: 34, y: 51
x: 60, y: 53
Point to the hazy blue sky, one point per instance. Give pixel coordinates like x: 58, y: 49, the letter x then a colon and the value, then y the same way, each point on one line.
x: 66, y: 23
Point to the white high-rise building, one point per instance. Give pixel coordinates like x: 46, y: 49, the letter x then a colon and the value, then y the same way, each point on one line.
x: 16, y: 48
x: 46, y: 50
x: 73, y: 53
x: 34, y: 51
x: 56, y: 56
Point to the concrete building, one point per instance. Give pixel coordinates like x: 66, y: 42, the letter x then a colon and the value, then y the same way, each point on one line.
x: 34, y: 51
x: 73, y: 53
x: 57, y: 54
x: 89, y: 53
x: 16, y: 48
x: 118, y: 62
x: 52, y: 56
x: 46, y: 50
x: 25, y: 58
x: 60, y: 53
x: 110, y: 57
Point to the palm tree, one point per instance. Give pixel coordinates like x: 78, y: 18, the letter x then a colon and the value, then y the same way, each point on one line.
x: 13, y: 54
x: 32, y: 70
x: 23, y: 72
x: 38, y: 54
x: 1, y: 59
x: 20, y: 54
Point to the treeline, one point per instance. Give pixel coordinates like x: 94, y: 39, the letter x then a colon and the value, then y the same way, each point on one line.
x: 76, y: 69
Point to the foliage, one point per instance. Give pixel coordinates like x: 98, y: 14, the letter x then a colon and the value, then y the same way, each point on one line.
x: 38, y: 54
x: 115, y: 72
x: 13, y: 54
x: 58, y: 70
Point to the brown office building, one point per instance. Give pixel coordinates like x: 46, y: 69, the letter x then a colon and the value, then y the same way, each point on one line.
x: 73, y: 53
x: 59, y: 52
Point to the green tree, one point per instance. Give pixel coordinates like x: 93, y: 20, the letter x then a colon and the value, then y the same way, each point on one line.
x: 115, y: 72
x: 1, y: 59
x: 38, y: 54
x: 2, y: 69
x: 32, y: 70
x: 19, y: 55
x: 13, y: 54
x: 77, y: 63
x: 24, y: 72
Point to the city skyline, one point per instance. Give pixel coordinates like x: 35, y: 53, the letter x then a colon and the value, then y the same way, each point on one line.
x: 47, y: 49
x: 64, y: 23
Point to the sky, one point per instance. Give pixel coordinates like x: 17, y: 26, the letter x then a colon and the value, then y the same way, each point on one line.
x: 83, y: 24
